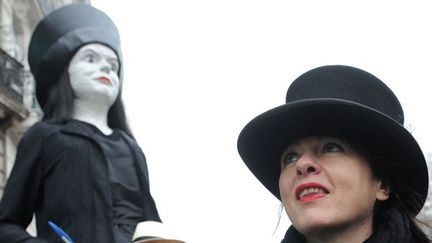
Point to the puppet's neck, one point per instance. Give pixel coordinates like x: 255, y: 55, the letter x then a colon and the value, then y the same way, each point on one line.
x: 95, y: 113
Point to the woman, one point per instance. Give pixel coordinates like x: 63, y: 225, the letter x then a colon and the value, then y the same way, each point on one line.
x: 80, y: 167
x: 339, y: 159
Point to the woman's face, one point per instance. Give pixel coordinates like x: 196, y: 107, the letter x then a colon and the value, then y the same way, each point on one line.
x: 325, y: 184
x: 93, y: 73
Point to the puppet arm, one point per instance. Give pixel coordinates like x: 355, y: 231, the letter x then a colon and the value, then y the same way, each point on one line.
x: 20, y: 195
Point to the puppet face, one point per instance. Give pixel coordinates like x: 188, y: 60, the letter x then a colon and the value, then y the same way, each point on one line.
x: 93, y: 73
x: 325, y: 185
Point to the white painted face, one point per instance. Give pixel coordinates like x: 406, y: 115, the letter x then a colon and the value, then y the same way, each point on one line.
x: 93, y: 73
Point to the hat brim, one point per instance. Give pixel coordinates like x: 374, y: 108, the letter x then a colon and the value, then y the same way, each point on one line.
x: 262, y: 141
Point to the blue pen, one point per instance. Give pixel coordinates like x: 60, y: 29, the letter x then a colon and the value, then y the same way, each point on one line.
x: 65, y: 237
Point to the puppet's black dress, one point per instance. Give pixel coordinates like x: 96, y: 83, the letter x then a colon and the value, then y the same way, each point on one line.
x: 126, y: 194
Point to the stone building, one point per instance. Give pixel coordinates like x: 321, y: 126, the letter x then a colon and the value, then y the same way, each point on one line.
x: 426, y: 213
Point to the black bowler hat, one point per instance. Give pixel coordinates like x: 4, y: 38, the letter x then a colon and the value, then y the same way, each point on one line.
x: 60, y: 34
x: 339, y: 101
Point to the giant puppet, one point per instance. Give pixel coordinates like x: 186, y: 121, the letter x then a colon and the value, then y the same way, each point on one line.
x: 80, y: 167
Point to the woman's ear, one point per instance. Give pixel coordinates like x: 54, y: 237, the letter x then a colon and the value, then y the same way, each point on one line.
x: 383, y: 192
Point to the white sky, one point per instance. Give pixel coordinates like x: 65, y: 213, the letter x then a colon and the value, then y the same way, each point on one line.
x: 197, y: 71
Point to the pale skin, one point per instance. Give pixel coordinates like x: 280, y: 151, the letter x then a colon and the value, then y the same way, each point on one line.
x: 93, y: 74
x: 328, y: 190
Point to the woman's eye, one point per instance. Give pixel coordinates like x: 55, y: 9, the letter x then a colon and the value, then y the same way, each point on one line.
x: 289, y: 158
x: 332, y: 148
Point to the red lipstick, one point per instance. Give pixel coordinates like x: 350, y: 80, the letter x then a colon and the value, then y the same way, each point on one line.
x: 309, y: 192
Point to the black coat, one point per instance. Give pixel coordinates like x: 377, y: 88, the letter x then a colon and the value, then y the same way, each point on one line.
x: 293, y: 236
x: 61, y: 175
x: 391, y: 226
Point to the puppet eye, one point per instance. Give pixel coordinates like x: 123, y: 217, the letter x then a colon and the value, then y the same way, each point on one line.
x: 114, y: 66
x: 90, y: 57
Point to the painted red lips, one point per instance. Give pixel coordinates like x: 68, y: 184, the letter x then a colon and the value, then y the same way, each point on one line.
x: 104, y: 80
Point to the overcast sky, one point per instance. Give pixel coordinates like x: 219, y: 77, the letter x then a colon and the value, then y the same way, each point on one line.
x: 197, y: 71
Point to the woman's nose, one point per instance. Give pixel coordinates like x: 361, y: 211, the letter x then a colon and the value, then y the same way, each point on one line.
x: 307, y: 165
